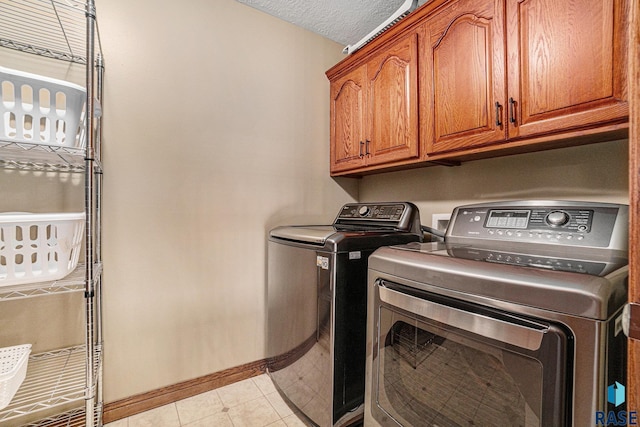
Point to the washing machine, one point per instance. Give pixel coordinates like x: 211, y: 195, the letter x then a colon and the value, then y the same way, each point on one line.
x: 317, y: 306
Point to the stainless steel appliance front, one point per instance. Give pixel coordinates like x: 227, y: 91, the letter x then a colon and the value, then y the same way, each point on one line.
x: 316, y: 314
x: 471, y: 334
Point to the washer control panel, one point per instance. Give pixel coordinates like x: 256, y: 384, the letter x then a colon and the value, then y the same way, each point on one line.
x: 400, y: 216
x: 547, y: 222
x: 385, y: 212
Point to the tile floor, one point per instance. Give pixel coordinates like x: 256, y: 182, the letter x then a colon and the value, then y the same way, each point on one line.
x: 250, y: 403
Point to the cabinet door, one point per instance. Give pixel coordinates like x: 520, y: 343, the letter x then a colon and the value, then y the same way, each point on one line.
x: 348, y: 121
x: 463, y: 76
x: 568, y: 64
x: 393, y: 103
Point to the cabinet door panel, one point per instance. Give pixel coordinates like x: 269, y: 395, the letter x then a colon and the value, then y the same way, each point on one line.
x: 567, y: 66
x: 348, y: 121
x: 465, y: 76
x: 393, y: 103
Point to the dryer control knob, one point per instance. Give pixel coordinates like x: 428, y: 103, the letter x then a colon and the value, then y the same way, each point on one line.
x: 557, y: 218
x: 364, y: 210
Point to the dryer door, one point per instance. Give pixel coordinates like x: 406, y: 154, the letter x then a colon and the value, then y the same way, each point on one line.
x: 439, y: 361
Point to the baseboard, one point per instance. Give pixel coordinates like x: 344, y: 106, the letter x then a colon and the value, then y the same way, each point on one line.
x: 153, y: 399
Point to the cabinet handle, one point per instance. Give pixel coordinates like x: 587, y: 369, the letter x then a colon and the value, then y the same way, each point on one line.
x: 366, y: 151
x: 360, y: 151
x: 512, y: 114
x: 498, y: 107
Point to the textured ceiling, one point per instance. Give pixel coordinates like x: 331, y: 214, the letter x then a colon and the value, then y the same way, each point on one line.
x: 343, y: 21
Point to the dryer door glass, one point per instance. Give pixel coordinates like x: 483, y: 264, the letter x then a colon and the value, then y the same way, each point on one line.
x: 429, y: 373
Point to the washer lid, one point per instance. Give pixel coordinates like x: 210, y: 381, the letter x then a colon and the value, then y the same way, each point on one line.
x: 314, y: 234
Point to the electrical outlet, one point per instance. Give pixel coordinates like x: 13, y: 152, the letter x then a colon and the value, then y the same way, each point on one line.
x: 440, y: 221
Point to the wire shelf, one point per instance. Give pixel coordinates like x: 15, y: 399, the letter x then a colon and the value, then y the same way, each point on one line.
x: 53, y: 379
x: 74, y: 282
x: 72, y: 418
x: 51, y: 28
x: 57, y: 382
x: 412, y: 343
x: 39, y: 157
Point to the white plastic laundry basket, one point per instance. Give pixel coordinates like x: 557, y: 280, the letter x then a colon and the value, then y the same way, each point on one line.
x: 39, y: 247
x: 41, y: 110
x: 13, y: 369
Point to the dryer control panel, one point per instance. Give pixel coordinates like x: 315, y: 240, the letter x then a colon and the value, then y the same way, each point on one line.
x: 557, y: 223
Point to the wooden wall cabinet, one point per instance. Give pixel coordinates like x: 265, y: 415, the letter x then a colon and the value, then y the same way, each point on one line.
x: 567, y: 64
x: 464, y: 79
x: 463, y: 76
x: 348, y: 120
x: 374, y: 109
x: 545, y: 67
x: 392, y: 78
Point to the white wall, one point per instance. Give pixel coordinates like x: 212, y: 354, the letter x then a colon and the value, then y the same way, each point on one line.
x: 216, y: 130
